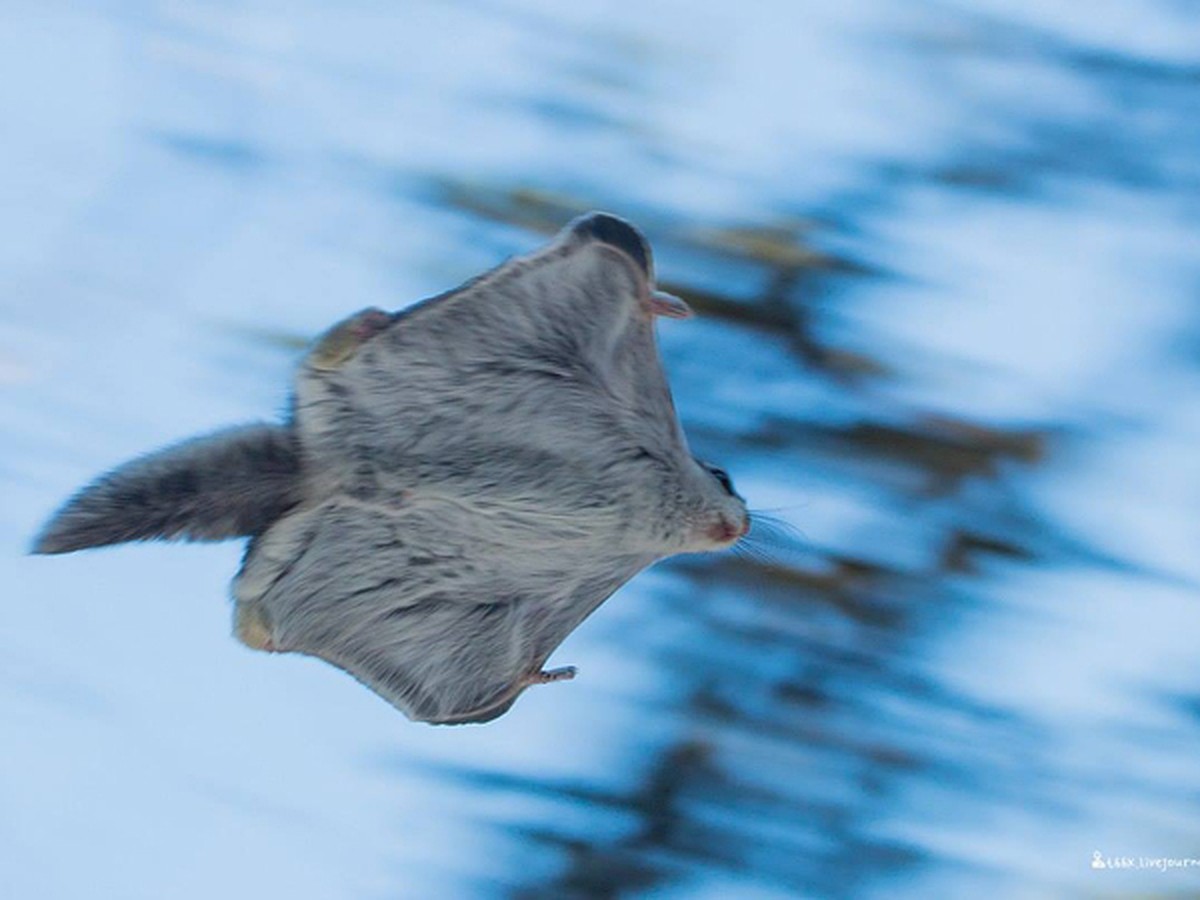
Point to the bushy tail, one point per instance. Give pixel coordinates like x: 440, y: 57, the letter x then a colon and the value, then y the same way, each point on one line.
x: 228, y: 484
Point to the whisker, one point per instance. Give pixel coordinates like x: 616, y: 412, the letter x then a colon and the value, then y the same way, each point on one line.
x: 755, y: 553
x: 773, y: 528
x: 795, y: 507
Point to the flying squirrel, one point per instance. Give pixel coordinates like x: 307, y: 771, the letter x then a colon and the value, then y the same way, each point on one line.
x: 457, y: 487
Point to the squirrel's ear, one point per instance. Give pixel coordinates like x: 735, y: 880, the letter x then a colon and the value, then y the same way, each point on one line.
x: 617, y: 233
x: 232, y: 483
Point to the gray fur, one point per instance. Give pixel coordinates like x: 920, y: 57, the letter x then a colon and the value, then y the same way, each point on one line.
x: 478, y: 474
x: 229, y: 484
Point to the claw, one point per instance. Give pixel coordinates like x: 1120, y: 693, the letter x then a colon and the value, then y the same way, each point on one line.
x: 342, y: 341
x: 253, y: 629
x: 564, y: 673
x: 664, y: 304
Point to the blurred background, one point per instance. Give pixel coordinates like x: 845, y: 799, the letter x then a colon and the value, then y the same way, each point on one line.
x: 946, y: 265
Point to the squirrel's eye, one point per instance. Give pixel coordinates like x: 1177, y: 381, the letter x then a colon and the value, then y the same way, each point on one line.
x: 722, y: 477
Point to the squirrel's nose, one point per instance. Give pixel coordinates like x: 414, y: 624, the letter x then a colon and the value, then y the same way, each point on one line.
x: 726, y: 532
